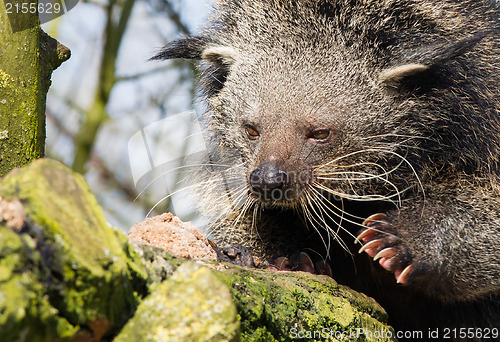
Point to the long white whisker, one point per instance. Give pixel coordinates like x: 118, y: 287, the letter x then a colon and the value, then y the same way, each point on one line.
x: 321, y: 199
x: 312, y: 219
x: 185, y: 167
x: 403, y: 159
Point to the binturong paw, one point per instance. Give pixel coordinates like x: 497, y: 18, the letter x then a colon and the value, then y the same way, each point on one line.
x: 303, y: 262
x: 380, y: 243
x: 236, y: 255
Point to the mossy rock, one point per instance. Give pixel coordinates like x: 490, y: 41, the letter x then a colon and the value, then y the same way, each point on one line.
x: 191, y: 306
x: 285, y: 306
x: 64, y: 273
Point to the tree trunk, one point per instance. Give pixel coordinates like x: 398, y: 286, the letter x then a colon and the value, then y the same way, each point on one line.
x: 27, y: 58
x: 96, y: 115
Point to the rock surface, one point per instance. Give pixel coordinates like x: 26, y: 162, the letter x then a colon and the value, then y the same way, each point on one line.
x: 63, y: 271
x: 191, y: 306
x: 66, y: 275
x: 180, y: 239
x: 283, y: 306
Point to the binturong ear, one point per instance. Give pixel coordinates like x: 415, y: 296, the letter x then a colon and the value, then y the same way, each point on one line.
x: 394, y: 75
x: 219, y: 58
x: 198, y: 48
x: 424, y: 59
x: 190, y: 47
x: 223, y: 56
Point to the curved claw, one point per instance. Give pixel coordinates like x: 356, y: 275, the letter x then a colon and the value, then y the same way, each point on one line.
x: 402, y: 278
x: 386, y: 253
x: 322, y: 267
x: 370, y: 233
x: 282, y: 263
x: 374, y: 218
x: 304, y: 263
x: 382, y: 243
x: 363, y: 234
x: 370, y: 245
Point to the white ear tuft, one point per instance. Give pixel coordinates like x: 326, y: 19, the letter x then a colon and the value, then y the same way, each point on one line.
x: 395, y: 74
x: 222, y: 55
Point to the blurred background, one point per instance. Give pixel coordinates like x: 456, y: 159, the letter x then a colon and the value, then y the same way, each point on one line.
x: 126, y: 123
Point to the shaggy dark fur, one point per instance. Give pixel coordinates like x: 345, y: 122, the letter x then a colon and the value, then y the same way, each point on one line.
x: 322, y: 113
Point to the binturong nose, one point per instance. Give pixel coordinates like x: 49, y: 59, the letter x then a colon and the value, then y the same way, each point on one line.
x: 268, y: 183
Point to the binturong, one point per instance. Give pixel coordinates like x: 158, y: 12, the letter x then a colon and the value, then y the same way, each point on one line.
x: 336, y: 127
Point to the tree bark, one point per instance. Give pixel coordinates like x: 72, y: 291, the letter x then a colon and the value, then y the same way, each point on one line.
x: 27, y: 59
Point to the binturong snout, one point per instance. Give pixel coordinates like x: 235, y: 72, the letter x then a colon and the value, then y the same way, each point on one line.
x: 269, y: 183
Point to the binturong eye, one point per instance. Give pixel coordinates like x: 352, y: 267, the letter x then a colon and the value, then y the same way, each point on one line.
x: 252, y: 132
x: 320, y: 135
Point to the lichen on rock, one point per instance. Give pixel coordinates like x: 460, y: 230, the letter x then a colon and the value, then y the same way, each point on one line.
x: 64, y: 273
x: 283, y: 306
x: 192, y: 305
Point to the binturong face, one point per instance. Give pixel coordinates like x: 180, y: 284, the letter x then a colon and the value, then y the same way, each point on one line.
x: 300, y: 122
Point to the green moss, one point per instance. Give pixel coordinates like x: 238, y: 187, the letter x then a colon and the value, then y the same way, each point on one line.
x: 279, y: 306
x: 193, y: 305
x: 158, y: 263
x: 5, y: 79
x: 257, y: 335
x: 24, y: 306
x: 21, y: 113
x: 71, y: 268
x: 66, y: 270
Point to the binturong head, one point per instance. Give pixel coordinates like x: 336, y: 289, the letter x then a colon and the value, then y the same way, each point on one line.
x: 312, y: 99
